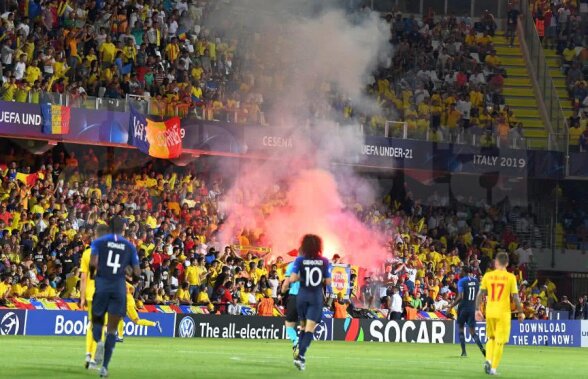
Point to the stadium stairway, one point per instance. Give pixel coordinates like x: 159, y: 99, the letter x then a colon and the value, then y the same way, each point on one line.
x: 518, y: 92
x: 559, y: 80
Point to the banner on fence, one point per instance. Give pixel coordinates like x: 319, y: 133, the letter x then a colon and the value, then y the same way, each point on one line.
x: 381, y: 330
x: 568, y: 333
x: 246, y: 327
x: 535, y: 333
x: 12, y: 322
x: 74, y: 323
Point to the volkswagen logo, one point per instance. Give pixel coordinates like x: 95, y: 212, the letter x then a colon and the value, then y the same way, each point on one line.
x: 186, y: 328
x: 9, y: 324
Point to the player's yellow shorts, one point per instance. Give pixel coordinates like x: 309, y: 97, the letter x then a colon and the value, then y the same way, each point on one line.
x: 499, y: 328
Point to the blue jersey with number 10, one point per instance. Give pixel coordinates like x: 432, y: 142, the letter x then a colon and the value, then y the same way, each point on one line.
x: 114, y: 253
x: 312, y: 273
x: 468, y: 287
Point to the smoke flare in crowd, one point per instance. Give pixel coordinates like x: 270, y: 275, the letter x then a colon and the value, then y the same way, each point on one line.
x: 298, y: 190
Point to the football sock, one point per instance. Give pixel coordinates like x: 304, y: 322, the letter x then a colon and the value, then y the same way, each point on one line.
x: 305, y: 340
x: 142, y: 322
x: 97, y: 332
x: 121, y: 329
x: 292, y: 335
x: 90, y: 343
x: 108, y: 348
x: 497, y: 354
x: 462, y: 340
x: 490, y: 349
x: 478, y: 342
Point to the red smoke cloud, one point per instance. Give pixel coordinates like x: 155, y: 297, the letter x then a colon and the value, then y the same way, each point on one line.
x: 309, y: 203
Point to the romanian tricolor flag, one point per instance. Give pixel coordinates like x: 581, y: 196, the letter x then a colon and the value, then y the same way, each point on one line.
x: 29, y: 179
x: 159, y: 139
x: 182, y: 36
x: 55, y: 118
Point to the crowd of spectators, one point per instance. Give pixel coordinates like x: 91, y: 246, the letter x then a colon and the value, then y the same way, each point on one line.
x: 563, y: 26
x: 173, y: 218
x: 159, y: 51
x: 445, y: 81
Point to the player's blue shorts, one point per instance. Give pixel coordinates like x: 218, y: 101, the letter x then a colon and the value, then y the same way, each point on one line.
x: 310, y: 307
x: 466, y: 317
x: 111, y: 299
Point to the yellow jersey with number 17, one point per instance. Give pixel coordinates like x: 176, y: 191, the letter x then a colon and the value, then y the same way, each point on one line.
x: 500, y: 285
x: 85, y: 267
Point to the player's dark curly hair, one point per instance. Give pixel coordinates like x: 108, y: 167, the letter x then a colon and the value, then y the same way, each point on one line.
x: 311, y: 246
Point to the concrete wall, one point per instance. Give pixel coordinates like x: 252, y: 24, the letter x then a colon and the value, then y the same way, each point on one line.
x: 565, y: 260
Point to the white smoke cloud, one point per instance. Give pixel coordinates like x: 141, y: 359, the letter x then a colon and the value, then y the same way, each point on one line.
x: 299, y: 56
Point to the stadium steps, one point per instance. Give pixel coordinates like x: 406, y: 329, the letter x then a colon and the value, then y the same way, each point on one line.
x: 559, y: 80
x: 518, y: 92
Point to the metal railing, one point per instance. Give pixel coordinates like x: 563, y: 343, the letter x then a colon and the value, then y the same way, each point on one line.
x: 149, y: 106
x: 390, y: 129
x: 514, y: 140
x: 540, y: 70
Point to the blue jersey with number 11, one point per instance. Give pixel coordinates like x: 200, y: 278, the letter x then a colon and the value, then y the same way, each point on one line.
x: 468, y: 287
x: 114, y: 253
x: 312, y: 273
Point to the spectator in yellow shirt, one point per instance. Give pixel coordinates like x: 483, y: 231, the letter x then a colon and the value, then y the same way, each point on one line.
x: 19, y: 289
x: 484, y: 39
x: 22, y: 92
x: 492, y: 60
x: 172, y: 50
x: 9, y: 89
x: 5, y: 287
x: 568, y: 55
x: 32, y: 72
x: 452, y: 117
x: 183, y: 295
x: 107, y: 51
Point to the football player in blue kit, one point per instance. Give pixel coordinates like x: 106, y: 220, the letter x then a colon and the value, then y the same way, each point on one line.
x: 111, y: 254
x: 467, y: 289
x: 314, y: 273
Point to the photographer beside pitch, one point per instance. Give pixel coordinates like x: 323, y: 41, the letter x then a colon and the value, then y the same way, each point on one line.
x: 498, y: 286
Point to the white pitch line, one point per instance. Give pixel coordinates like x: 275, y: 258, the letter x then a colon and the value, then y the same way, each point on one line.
x: 243, y: 357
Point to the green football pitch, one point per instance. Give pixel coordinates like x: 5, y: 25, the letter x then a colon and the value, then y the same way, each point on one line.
x: 62, y: 357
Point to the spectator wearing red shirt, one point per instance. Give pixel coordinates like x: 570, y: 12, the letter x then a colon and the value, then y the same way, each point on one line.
x: 5, y: 215
x: 156, y: 260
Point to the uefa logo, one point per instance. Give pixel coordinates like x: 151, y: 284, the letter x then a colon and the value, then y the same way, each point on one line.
x: 321, y: 332
x: 186, y: 328
x: 9, y: 324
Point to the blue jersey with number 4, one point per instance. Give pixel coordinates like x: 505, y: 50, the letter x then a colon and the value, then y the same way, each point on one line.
x: 468, y: 287
x: 312, y: 273
x: 114, y: 254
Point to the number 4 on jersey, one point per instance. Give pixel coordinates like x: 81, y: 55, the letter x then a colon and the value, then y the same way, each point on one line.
x: 114, y: 263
